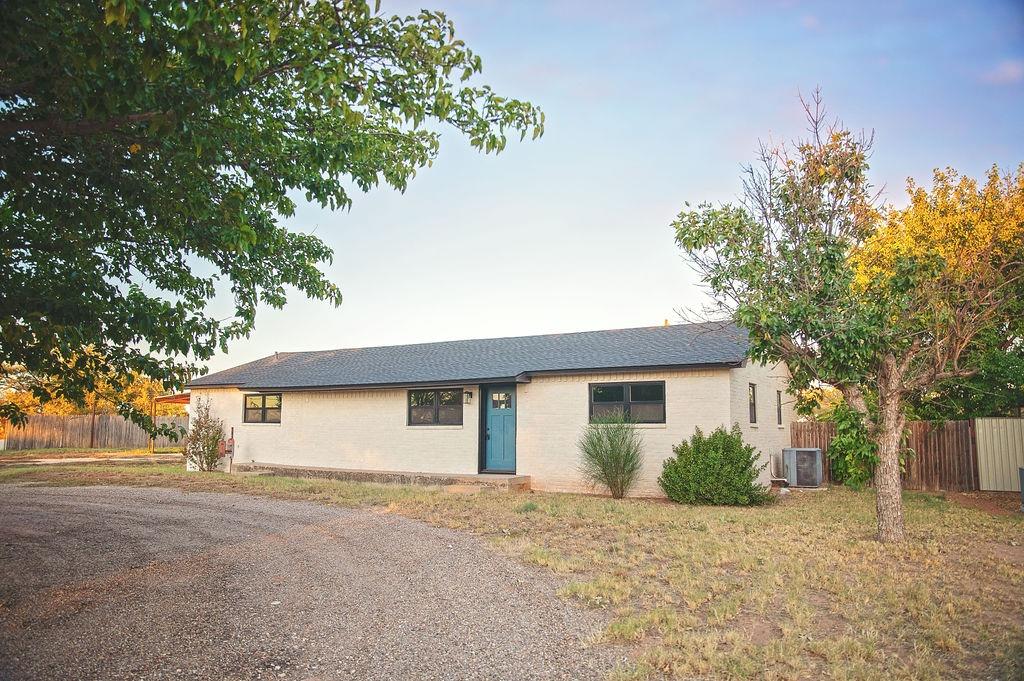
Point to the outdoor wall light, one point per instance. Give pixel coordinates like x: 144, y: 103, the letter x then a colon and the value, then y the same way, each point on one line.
x: 468, y: 396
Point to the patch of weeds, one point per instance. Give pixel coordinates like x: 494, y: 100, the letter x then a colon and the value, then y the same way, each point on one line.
x: 631, y: 671
x: 628, y: 629
x: 926, y: 501
x: 634, y: 626
x: 601, y: 592
x: 553, y: 560
x: 527, y: 507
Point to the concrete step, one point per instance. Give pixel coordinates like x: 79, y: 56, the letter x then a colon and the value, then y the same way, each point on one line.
x: 495, y: 481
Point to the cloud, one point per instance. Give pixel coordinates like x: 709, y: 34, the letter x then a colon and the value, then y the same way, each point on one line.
x: 1006, y: 72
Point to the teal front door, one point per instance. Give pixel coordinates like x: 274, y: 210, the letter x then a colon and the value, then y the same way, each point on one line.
x: 500, y: 425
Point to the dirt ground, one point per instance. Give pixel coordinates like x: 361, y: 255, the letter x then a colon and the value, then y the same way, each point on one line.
x: 996, y: 503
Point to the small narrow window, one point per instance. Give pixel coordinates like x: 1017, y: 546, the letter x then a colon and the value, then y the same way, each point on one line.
x: 639, y: 402
x: 778, y: 405
x: 752, y: 401
x: 262, y: 408
x: 435, y: 407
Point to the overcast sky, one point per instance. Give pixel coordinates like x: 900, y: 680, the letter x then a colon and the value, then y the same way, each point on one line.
x: 648, y: 105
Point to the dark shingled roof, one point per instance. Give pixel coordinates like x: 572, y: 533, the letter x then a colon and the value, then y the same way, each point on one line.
x: 489, y: 359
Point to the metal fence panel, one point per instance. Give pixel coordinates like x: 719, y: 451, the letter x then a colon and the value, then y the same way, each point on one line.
x: 1000, y: 453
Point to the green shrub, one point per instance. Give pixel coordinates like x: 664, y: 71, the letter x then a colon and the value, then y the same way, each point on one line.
x: 202, y: 442
x: 714, y: 469
x: 611, y: 453
x: 852, y: 455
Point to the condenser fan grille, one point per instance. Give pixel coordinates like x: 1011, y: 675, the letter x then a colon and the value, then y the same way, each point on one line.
x: 806, y: 469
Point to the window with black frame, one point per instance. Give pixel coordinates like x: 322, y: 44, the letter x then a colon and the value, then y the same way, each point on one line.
x: 435, y: 407
x: 752, y: 401
x: 262, y: 408
x: 641, y: 402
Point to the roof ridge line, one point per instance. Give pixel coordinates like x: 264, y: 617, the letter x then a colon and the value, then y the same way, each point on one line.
x: 495, y: 338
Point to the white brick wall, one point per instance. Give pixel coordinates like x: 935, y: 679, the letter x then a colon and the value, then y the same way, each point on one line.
x: 766, y: 435
x: 554, y: 411
x: 366, y: 429
x: 356, y: 429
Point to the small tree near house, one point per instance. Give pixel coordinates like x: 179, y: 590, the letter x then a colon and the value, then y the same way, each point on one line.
x: 202, y: 443
x: 882, y: 304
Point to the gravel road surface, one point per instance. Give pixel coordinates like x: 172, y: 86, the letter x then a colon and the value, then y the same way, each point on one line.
x: 129, y: 583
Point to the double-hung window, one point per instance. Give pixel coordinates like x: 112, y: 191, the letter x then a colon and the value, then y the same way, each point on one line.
x: 435, y: 407
x: 639, y: 402
x: 262, y: 408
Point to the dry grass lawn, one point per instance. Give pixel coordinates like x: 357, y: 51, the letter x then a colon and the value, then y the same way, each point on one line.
x: 13, y: 455
x: 797, y: 590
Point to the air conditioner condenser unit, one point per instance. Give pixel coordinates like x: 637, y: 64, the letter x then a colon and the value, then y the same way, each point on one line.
x: 801, y: 466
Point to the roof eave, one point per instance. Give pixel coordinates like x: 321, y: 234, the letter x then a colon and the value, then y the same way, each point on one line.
x: 377, y: 386
x: 522, y: 377
x: 639, y: 368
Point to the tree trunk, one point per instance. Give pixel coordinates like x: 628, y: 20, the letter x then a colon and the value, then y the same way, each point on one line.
x: 889, y: 504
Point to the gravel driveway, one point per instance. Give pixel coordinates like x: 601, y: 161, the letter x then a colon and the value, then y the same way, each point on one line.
x: 118, y: 583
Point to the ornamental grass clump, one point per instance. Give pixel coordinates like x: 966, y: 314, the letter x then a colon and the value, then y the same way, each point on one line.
x: 611, y: 453
x: 717, y: 469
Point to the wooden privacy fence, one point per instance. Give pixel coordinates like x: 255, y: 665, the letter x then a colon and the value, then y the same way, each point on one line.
x: 945, y: 454
x: 112, y: 431
x: 945, y: 457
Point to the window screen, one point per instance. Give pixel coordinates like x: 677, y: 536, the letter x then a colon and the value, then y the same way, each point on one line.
x: 435, y: 407
x: 262, y: 408
x: 640, y: 402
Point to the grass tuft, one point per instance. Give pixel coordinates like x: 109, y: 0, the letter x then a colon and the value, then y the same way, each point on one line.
x: 527, y: 507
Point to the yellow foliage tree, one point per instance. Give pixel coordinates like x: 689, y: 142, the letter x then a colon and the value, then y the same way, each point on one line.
x: 973, y: 231
x: 968, y: 297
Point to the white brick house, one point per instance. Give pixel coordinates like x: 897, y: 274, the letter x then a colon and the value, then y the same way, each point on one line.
x: 504, y: 405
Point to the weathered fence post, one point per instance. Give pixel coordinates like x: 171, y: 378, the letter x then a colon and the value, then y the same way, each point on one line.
x: 92, y: 425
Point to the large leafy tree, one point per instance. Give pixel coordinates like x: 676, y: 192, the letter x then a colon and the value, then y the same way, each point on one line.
x: 149, y: 148
x: 794, y: 264
x: 996, y: 389
x: 971, y: 229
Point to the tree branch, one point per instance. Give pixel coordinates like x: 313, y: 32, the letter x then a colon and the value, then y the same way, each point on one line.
x: 82, y: 127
